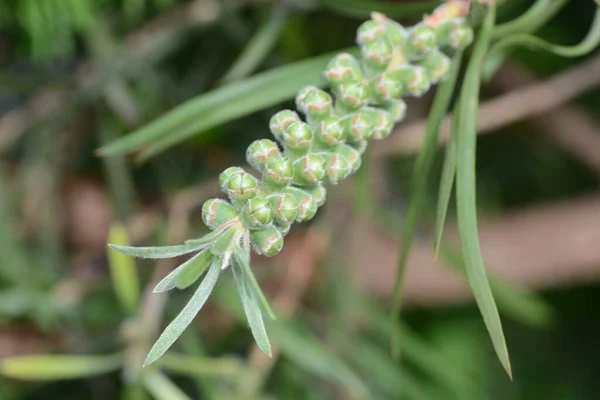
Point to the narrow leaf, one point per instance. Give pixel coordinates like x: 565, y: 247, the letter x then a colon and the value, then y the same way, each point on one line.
x: 162, y: 388
x: 198, y: 365
x: 157, y: 252
x: 58, y: 367
x: 224, y: 243
x: 420, y: 179
x: 169, y: 282
x: 242, y: 257
x: 222, y: 105
x: 363, y: 8
x: 446, y: 183
x: 193, y: 269
x: 122, y: 270
x: 252, y: 311
x: 465, y: 185
x: 209, y: 237
x: 185, y: 317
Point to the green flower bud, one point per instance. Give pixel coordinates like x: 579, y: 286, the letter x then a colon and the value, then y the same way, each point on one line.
x: 331, y: 132
x: 309, y: 169
x: 337, y: 167
x: 352, y: 95
x: 343, y: 68
x: 394, y: 32
x: 216, y: 212
x: 227, y: 174
x: 382, y: 122
x: 386, y: 87
x: 281, y: 120
x: 422, y: 40
x: 351, y: 155
x: 278, y: 172
x: 317, y: 105
x: 284, y: 206
x: 454, y: 33
x: 283, y: 227
x: 301, y: 96
x: 397, y: 109
x: 437, y: 65
x: 369, y: 31
x: 318, y: 193
x: 241, y: 187
x: 307, y: 206
x: 267, y: 241
x: 359, y: 126
x: 261, y: 151
x: 377, y: 54
x: 413, y: 78
x: 258, y: 213
x: 297, y: 136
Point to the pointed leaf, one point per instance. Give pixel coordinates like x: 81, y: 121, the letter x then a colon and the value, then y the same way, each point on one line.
x: 252, y: 311
x: 420, y: 179
x: 363, y: 8
x: 185, y: 317
x: 465, y: 190
x: 242, y: 257
x: 194, y: 269
x: 157, y: 252
x: 58, y: 367
x: 224, y: 243
x: 446, y: 183
x: 208, y: 238
x: 122, y: 270
x: 169, y: 282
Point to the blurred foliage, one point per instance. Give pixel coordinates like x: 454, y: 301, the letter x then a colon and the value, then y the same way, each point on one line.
x: 59, y: 290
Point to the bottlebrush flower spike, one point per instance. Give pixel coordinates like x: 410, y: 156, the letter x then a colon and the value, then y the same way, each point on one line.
x: 363, y: 103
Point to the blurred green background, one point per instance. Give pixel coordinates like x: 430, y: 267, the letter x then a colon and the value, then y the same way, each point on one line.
x: 78, y: 74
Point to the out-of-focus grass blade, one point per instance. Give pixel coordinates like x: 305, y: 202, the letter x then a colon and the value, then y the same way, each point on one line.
x: 161, y: 387
x: 122, y: 270
x: 222, y: 105
x: 466, y: 194
x: 311, y: 355
x: 446, y: 183
x: 58, y: 367
x: 363, y: 8
x: 520, y: 304
x: 193, y: 269
x: 420, y: 179
x: 157, y: 252
x: 252, y: 310
x: 588, y: 44
x: 259, y: 45
x: 185, y: 317
x: 242, y: 258
x: 198, y: 365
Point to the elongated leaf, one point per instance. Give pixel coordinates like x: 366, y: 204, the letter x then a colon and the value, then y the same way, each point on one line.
x: 162, y: 388
x: 199, y: 365
x: 316, y: 358
x: 252, y: 311
x: 122, y: 271
x: 58, y: 367
x: 587, y: 45
x: 446, y: 183
x: 242, y: 257
x: 222, y: 105
x: 465, y: 185
x: 185, y: 317
x: 194, y: 269
x: 209, y: 237
x: 169, y: 282
x: 225, y: 242
x: 420, y: 179
x: 363, y: 8
x: 157, y: 252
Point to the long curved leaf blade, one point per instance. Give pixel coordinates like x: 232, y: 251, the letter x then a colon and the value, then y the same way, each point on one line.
x: 58, y: 367
x: 446, y: 184
x: 162, y: 388
x: 241, y: 258
x: 185, y: 317
x: 193, y: 269
x: 169, y: 282
x: 363, y: 8
x: 252, y: 311
x: 122, y: 271
x: 420, y: 179
x: 466, y: 198
x: 157, y: 252
x: 222, y: 105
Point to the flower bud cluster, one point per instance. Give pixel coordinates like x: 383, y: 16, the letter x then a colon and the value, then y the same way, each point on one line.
x: 364, y: 103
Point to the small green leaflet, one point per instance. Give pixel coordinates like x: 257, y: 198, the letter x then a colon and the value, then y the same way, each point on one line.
x: 194, y: 269
x: 159, y: 251
x: 241, y: 257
